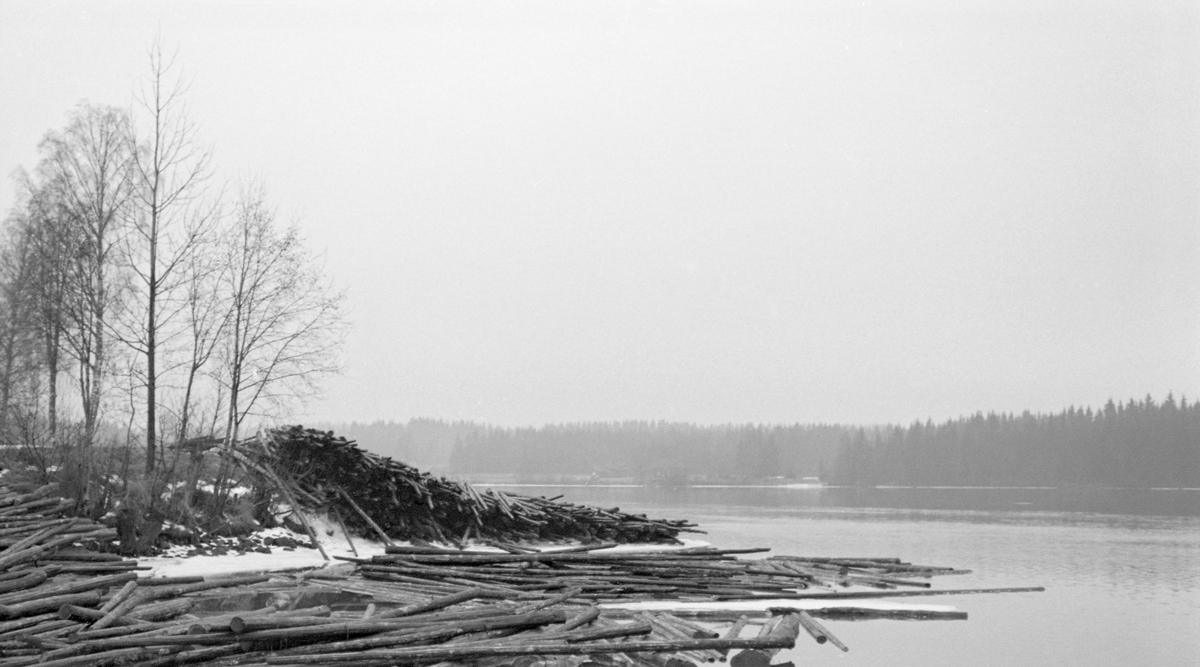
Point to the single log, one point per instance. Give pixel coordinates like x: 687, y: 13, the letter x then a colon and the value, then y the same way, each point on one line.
x: 162, y: 611
x: 52, y: 603
x: 160, y: 592
x: 886, y: 594
x: 78, y: 554
x: 122, y: 595
x: 437, y: 603
x: 346, y: 532
x: 71, y: 612
x: 374, y: 526
x: 169, y: 581
x: 612, y: 633
x: 27, y: 580
x: 581, y: 619
x: 818, y: 631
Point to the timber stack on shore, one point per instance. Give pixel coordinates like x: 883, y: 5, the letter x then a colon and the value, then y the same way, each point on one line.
x: 378, y: 496
x: 502, y: 602
x: 62, y: 605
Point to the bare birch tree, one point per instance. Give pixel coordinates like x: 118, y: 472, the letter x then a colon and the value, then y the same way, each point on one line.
x: 51, y: 239
x: 207, y: 319
x: 18, y: 328
x: 86, y: 171
x: 285, y: 323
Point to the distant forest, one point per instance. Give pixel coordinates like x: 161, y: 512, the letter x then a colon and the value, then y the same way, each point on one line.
x: 1133, y: 444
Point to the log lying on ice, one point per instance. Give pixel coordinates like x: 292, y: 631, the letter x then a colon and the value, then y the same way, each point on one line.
x: 839, y: 613
x: 818, y: 631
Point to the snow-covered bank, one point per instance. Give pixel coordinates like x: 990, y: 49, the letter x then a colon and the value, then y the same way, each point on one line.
x: 337, y: 547
x: 333, y: 540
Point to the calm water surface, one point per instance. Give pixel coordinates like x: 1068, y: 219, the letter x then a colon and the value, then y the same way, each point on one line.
x: 1123, y: 580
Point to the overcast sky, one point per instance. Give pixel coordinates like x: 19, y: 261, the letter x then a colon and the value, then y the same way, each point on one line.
x: 704, y: 211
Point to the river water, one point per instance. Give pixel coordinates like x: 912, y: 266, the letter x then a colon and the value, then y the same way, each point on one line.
x: 1121, y: 568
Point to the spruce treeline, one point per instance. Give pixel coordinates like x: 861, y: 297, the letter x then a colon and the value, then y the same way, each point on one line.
x: 1131, y: 444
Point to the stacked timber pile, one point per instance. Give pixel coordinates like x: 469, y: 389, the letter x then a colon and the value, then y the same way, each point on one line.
x: 377, y: 495
x: 418, y: 605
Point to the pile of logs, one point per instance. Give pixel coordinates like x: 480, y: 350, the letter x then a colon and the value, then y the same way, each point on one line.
x: 378, y: 496
x: 64, y: 606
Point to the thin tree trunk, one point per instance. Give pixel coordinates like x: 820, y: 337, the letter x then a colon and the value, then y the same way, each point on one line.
x: 151, y: 435
x: 52, y: 386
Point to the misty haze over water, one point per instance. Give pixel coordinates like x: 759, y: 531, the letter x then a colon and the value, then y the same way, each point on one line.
x: 942, y: 257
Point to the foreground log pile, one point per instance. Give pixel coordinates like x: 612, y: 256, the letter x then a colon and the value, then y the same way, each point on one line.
x: 419, y: 605
x: 376, y: 495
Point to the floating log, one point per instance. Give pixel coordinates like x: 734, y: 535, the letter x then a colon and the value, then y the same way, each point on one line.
x: 818, y: 631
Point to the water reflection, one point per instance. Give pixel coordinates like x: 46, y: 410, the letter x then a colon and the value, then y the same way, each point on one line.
x: 1145, y: 502
x: 1117, y: 564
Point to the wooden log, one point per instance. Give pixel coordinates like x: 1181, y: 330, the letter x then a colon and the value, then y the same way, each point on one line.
x: 346, y: 532
x: 79, y: 554
x: 690, y: 629
x: 20, y: 624
x: 160, y: 592
x: 27, y: 580
x: 887, y: 594
x: 632, y: 630
x: 665, y: 628
x: 734, y: 632
x: 861, y: 614
x: 467, y: 651
x: 40, y: 629
x: 43, y: 605
x: 122, y: 595
x: 162, y: 611
x: 310, y: 633
x: 370, y: 522
x: 11, y: 557
x: 438, y: 603
x: 71, y: 612
x: 209, y: 655
x: 431, y: 632
x: 401, y: 637
x: 22, y: 525
x: 43, y: 533
x: 95, y: 568
x: 758, y: 657
x: 169, y: 581
x: 101, y: 659
x: 555, y: 599
x: 291, y: 499
x: 65, y: 588
x: 581, y: 619
x: 818, y: 631
x: 117, y: 612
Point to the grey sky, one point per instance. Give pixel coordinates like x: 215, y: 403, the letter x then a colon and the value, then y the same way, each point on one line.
x: 714, y: 211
